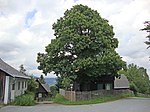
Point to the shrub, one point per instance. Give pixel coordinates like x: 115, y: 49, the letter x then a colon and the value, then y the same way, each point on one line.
x: 25, y: 100
x: 29, y: 93
x: 54, y: 91
x: 59, y: 98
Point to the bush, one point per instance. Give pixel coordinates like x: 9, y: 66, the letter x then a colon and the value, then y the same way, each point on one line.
x: 25, y: 100
x: 59, y: 98
x: 29, y: 93
x: 54, y: 91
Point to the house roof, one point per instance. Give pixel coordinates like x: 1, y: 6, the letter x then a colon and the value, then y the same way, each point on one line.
x: 46, y: 87
x: 121, y: 82
x: 11, y: 71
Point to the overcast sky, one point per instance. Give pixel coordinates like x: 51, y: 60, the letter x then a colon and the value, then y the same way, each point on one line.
x: 26, y: 28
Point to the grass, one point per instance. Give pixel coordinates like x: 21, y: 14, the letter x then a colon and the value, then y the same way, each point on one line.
x: 60, y: 99
x: 24, y: 100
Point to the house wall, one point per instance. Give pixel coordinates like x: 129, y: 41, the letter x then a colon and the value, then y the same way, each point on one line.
x: 2, y: 84
x: 41, y: 89
x: 99, y: 83
x: 9, y: 87
x: 18, y: 86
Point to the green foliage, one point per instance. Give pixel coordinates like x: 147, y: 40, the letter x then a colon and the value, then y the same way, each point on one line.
x: 59, y: 82
x: 54, y: 91
x: 32, y: 85
x: 138, y: 78
x: 63, y: 82
x: 25, y: 100
x: 84, y: 46
x: 134, y: 88
x: 66, y: 82
x: 147, y: 28
x: 42, y: 79
x: 22, y: 69
x: 60, y: 99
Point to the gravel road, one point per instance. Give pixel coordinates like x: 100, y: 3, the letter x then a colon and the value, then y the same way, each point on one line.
x: 123, y: 105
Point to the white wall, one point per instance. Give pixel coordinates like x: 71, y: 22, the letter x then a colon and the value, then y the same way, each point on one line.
x: 9, y: 94
x: 18, y: 91
x: 6, y: 90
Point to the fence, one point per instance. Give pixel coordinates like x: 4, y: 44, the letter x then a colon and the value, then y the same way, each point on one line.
x: 86, y: 95
x: 70, y: 95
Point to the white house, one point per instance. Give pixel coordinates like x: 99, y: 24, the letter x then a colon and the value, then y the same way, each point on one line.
x: 12, y: 82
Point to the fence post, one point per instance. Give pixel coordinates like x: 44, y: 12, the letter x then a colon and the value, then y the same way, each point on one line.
x: 74, y: 96
x: 71, y: 86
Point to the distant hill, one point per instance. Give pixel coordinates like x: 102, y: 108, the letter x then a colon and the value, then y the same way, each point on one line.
x: 50, y: 81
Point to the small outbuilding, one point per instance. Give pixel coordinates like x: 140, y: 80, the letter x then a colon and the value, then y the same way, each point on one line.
x: 42, y: 90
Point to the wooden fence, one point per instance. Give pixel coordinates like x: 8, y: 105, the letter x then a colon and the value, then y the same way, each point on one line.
x: 86, y: 95
x: 70, y: 95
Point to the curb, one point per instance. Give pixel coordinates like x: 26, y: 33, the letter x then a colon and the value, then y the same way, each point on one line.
x: 45, y: 102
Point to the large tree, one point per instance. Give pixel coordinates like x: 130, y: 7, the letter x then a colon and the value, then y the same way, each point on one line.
x: 147, y: 28
x: 84, y: 46
x: 138, y: 77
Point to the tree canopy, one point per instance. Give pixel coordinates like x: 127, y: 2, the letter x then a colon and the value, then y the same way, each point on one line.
x: 22, y: 69
x: 137, y: 77
x: 84, y: 46
x: 147, y: 28
x: 32, y: 85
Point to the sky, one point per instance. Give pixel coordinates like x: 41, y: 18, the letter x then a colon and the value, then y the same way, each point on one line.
x: 26, y: 28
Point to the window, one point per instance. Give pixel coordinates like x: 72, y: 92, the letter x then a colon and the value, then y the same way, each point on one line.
x: 18, y: 85
x: 108, y: 86
x: 13, y: 86
x: 99, y: 86
x: 22, y: 85
x: 25, y: 84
